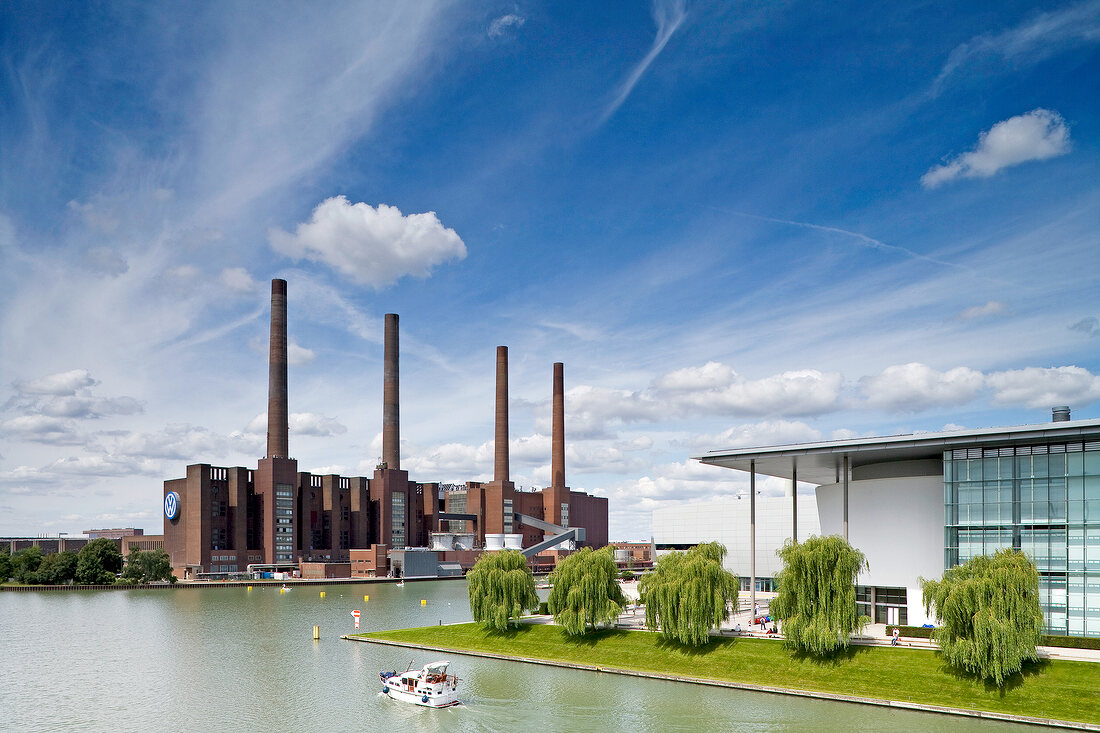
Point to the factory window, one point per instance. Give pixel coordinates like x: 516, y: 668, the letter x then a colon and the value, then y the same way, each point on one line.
x: 455, y: 501
x: 345, y: 513
x: 508, y: 516
x: 345, y: 543
x: 315, y: 538
x: 397, y: 520
x: 565, y: 514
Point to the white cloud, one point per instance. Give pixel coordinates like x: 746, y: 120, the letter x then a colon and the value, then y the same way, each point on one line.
x: 914, y: 386
x: 308, y: 423
x: 238, y: 280
x: 298, y: 355
x: 767, y: 432
x: 88, y: 407
x: 501, y: 25
x: 43, y: 429
x: 1037, y: 387
x: 301, y: 423
x: 105, y: 465
x: 641, y: 442
x: 178, y: 442
x: 372, y: 246
x: 717, y: 389
x: 1037, y: 135
x: 62, y: 383
x: 991, y: 308
x: 452, y: 461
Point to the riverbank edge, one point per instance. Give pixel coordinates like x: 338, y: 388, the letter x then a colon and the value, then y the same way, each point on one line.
x: 836, y: 697
x: 289, y: 582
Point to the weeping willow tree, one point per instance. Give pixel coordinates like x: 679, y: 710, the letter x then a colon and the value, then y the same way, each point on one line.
x: 689, y: 593
x: 989, y: 613
x: 501, y: 588
x: 586, y: 591
x: 817, y: 594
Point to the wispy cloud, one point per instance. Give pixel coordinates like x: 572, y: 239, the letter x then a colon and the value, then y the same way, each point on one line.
x: 859, y: 237
x: 1036, y: 135
x: 1038, y: 38
x: 504, y: 23
x: 991, y: 308
x: 668, y: 15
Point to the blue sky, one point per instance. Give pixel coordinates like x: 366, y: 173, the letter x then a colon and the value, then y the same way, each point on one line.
x: 736, y: 224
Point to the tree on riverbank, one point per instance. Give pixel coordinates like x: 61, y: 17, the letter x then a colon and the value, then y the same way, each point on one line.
x: 98, y: 563
x: 689, y: 593
x: 5, y: 565
x: 501, y: 588
x: 586, y: 590
x: 816, y: 603
x: 24, y: 564
x: 58, y: 568
x: 148, y: 566
x: 990, y: 615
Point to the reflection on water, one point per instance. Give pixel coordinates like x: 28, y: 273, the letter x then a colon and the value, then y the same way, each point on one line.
x: 230, y: 659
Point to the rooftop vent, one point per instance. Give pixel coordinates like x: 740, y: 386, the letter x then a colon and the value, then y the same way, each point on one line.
x: 1060, y: 414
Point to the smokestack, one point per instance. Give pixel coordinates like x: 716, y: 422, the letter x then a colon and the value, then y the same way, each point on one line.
x: 557, y: 460
x: 500, y: 465
x: 1060, y: 414
x: 391, y: 411
x: 278, y: 427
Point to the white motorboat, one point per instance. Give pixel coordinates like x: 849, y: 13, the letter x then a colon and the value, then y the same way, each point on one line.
x: 431, y: 686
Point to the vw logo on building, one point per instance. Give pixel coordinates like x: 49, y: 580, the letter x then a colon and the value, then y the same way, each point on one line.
x: 171, y: 505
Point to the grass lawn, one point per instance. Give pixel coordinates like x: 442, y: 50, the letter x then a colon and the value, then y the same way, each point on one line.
x: 1046, y: 689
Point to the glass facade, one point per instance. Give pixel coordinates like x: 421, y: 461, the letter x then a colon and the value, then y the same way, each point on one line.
x: 1043, y: 500
x: 284, y: 529
x: 397, y: 520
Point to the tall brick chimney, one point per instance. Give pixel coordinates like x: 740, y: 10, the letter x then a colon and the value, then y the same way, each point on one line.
x: 557, y: 461
x: 500, y: 464
x: 391, y: 409
x: 278, y: 427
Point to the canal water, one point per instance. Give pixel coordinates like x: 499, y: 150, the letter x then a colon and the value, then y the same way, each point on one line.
x: 230, y: 659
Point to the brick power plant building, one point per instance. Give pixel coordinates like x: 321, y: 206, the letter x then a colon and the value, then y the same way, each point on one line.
x: 223, y: 519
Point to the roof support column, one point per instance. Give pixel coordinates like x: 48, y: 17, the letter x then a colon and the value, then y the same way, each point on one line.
x: 845, y: 497
x: 752, y: 537
x: 794, y: 500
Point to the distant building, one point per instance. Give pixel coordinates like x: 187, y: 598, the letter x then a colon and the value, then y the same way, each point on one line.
x: 222, y: 519
x: 145, y: 543
x: 633, y: 554
x: 727, y: 521
x: 112, y: 534
x: 48, y: 545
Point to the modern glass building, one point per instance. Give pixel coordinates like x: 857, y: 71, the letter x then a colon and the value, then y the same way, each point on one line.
x: 918, y: 504
x: 1042, y: 499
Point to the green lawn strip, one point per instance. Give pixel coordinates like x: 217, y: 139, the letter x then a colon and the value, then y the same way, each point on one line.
x: 1057, y: 689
